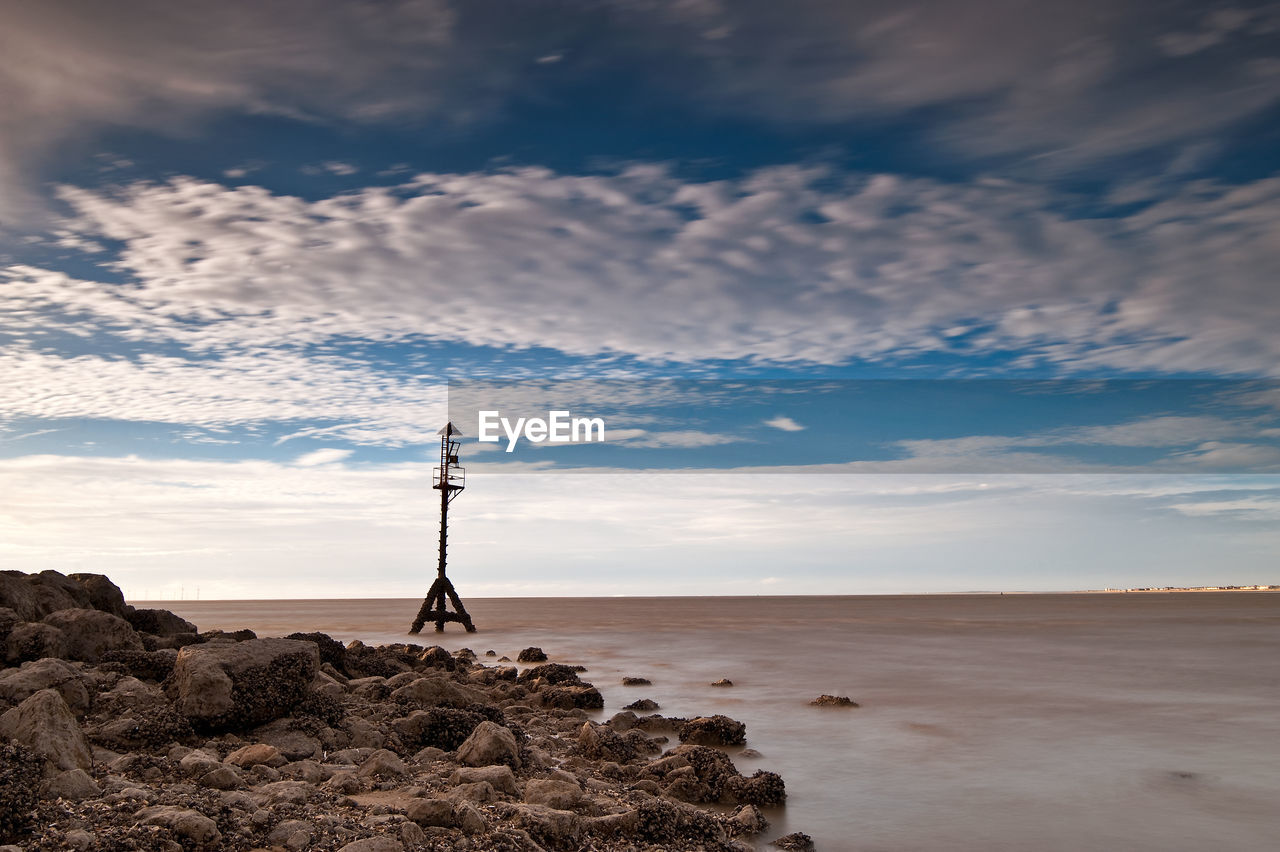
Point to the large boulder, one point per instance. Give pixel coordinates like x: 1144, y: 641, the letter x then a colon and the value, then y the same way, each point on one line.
x: 331, y: 650
x: 582, y: 696
x: 18, y: 595
x: 711, y: 766
x: 72, y: 785
x: 500, y: 777
x: 147, y: 665
x: 17, y: 685
x: 91, y: 633
x: 713, y: 731
x: 8, y: 620
x: 765, y: 789
x: 553, y: 673
x: 600, y: 742
x: 103, y: 594
x: 34, y: 640
x: 44, y: 724
x: 553, y: 793
x: 159, y: 622
x: 234, y: 686
x: 55, y: 591
x: 437, y: 690
x: 442, y: 727
x: 382, y: 764
x: 142, y: 728
x: 490, y: 744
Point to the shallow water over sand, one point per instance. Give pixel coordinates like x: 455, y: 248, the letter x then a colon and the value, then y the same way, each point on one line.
x: 1047, y: 722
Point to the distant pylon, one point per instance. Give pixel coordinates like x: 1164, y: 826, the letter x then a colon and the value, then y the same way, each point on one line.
x: 450, y: 479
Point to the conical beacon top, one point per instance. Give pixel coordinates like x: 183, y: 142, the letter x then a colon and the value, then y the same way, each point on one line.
x: 449, y: 429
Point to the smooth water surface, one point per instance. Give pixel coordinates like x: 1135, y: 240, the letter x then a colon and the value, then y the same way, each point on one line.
x: 988, y: 722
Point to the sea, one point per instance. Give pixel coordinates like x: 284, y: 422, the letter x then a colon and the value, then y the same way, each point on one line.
x: 1135, y: 722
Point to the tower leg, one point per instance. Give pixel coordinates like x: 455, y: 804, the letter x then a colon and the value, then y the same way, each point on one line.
x: 436, y: 608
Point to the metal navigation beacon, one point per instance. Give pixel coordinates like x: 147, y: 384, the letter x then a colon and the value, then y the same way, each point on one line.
x: 449, y: 478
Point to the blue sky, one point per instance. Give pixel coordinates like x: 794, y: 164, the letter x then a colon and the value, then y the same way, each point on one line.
x: 249, y: 253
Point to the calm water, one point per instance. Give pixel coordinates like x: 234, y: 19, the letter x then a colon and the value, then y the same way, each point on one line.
x: 1017, y: 722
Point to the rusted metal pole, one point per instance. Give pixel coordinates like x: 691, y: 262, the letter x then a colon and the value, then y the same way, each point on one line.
x: 436, y: 605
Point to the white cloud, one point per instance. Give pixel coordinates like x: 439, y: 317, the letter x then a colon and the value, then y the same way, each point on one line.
x: 324, y: 455
x: 242, y: 388
x: 260, y: 529
x: 1014, y: 452
x: 682, y: 438
x: 1227, y: 455
x: 887, y: 269
x: 784, y: 423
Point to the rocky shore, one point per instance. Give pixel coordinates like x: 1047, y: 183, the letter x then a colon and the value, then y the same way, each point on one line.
x: 129, y: 729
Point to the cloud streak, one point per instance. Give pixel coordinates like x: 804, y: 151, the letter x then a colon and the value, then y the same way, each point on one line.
x: 784, y: 265
x: 253, y: 528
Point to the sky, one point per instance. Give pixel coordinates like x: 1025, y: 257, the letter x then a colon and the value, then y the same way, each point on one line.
x: 871, y: 298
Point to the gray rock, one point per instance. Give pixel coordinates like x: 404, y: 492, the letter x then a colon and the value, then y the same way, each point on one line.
x: 17, y: 685
x: 80, y: 840
x: 644, y: 705
x: 490, y: 744
x: 747, y: 820
x: 129, y: 695
x: 796, y: 841
x: 184, y: 822
x: 713, y: 731
x: 480, y: 792
x: 199, y: 762
x: 54, y: 591
x: 288, y: 792
x: 103, y: 594
x: 8, y: 620
x: 16, y: 594
x: 469, y: 819
x: 411, y: 834
x: 159, y: 622
x: 435, y: 691
x: 73, y: 785
x: 600, y: 742
x: 33, y: 641
x: 293, y: 744
x: 345, y: 783
x: 556, y: 828
x: 306, y: 770
x: 374, y: 844
x: 91, y: 633
x: 501, y: 777
x: 285, y: 831
x: 382, y: 764
x: 429, y: 812
x: 252, y: 755
x: 363, y: 734
x: 762, y: 788
x: 560, y: 795
x: 228, y: 686
x: 44, y: 724
x: 583, y: 696
x: 222, y: 778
